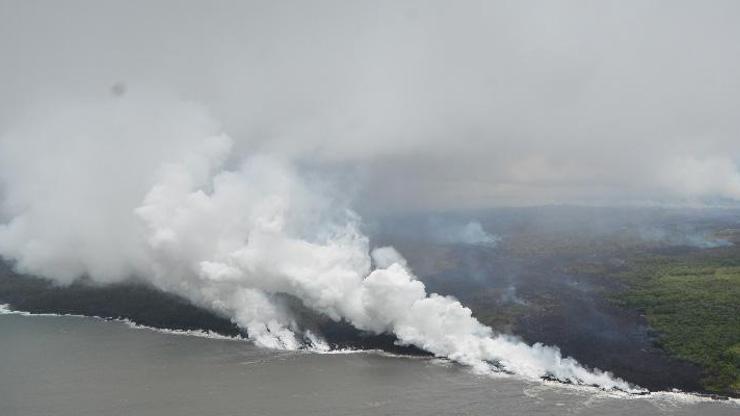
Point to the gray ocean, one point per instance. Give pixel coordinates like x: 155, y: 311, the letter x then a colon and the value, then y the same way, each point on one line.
x: 73, y: 366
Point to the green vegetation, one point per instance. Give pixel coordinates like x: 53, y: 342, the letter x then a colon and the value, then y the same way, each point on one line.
x: 694, y: 303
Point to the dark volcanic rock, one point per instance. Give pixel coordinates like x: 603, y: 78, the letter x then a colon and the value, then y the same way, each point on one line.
x: 133, y: 300
x: 145, y: 305
x: 558, y: 309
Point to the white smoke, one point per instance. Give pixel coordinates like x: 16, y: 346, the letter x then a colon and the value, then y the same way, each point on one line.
x: 470, y: 233
x: 680, y: 237
x: 122, y: 188
x: 72, y: 171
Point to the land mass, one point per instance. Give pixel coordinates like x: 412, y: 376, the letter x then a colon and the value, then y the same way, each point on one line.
x: 660, y: 308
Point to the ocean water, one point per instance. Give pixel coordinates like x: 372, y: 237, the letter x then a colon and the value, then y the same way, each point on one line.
x: 51, y: 365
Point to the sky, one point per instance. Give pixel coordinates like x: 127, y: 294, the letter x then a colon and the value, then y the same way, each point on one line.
x: 403, y: 105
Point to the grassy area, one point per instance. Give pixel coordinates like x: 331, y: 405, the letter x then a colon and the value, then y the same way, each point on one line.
x: 694, y: 303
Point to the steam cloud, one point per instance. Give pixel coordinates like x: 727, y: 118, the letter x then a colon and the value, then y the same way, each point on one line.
x: 470, y: 233
x: 149, y: 186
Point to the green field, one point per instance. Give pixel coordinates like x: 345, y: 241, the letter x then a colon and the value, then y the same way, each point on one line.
x: 694, y: 304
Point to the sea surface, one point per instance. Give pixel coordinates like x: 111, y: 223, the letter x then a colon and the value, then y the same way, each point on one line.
x: 66, y: 365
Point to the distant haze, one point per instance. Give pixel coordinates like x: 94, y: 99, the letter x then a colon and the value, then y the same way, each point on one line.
x: 419, y: 105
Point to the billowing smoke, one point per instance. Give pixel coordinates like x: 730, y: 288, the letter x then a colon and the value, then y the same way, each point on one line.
x: 151, y: 187
x: 72, y: 171
x: 470, y: 233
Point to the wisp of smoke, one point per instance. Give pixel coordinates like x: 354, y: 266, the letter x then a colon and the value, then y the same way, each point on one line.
x: 152, y: 188
x: 471, y: 233
x: 681, y: 237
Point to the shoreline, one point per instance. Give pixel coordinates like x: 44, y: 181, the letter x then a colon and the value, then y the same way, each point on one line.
x: 695, y: 397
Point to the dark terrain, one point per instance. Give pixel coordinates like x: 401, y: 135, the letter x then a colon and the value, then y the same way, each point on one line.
x: 533, y: 299
x: 145, y: 305
x: 567, y: 276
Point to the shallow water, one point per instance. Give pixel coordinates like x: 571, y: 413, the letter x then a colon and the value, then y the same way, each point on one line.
x: 83, y: 366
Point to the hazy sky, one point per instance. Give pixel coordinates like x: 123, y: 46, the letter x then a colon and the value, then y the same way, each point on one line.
x: 418, y: 105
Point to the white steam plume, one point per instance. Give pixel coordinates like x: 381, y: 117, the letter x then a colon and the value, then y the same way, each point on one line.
x: 471, y: 233
x: 231, y: 239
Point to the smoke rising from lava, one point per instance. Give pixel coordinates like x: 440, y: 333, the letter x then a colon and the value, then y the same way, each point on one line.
x: 150, y: 186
